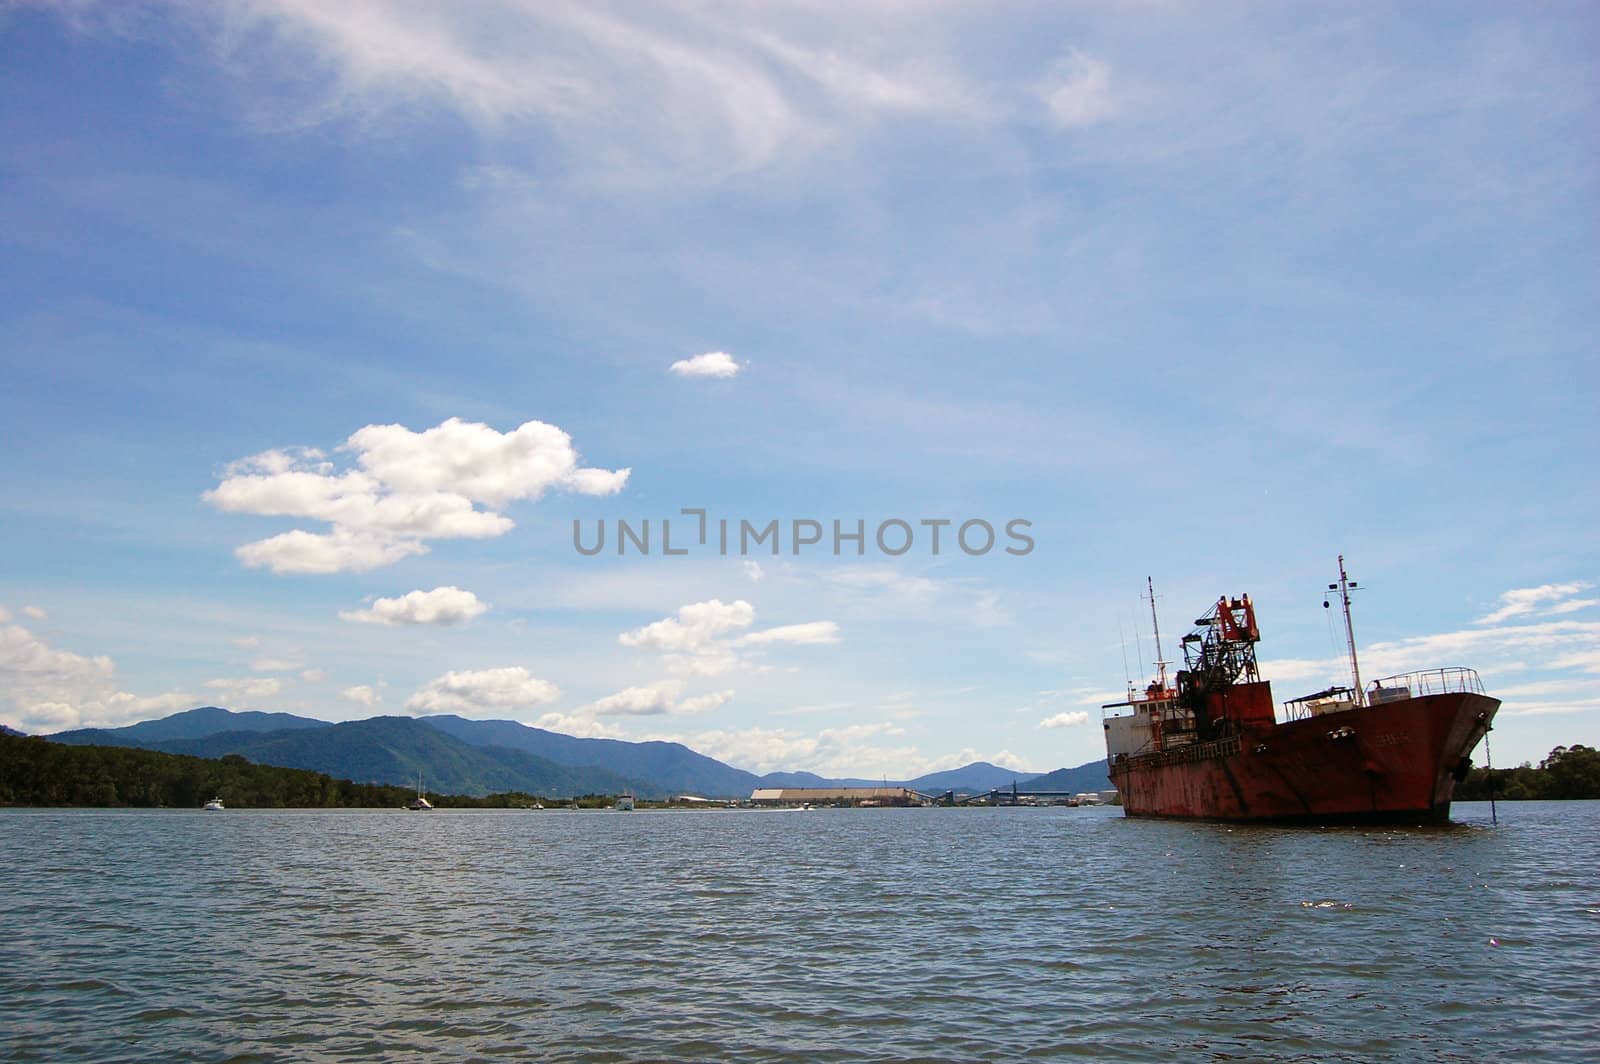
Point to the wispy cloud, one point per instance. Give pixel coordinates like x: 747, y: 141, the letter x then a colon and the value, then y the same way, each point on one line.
x: 250, y: 688
x: 1545, y: 599
x: 717, y: 90
x: 1078, y: 91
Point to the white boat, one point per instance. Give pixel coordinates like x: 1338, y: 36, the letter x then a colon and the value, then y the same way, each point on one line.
x: 625, y: 802
x: 420, y: 802
x: 214, y: 806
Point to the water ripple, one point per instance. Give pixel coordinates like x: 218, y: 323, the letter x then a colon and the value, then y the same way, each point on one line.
x: 882, y: 935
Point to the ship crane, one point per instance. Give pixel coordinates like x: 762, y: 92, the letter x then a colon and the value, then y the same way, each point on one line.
x: 1220, y: 652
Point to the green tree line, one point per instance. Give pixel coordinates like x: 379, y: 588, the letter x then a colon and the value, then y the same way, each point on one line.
x: 1569, y: 772
x: 35, y: 771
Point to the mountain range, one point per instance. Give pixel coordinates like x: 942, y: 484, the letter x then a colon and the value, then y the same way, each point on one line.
x: 456, y: 755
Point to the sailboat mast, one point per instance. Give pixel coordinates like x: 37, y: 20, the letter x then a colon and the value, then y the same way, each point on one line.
x: 1345, y: 584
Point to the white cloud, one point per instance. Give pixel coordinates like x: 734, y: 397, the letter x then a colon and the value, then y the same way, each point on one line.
x: 703, y: 703
x: 248, y: 642
x: 36, y: 612
x: 581, y: 725
x: 710, y: 364
x: 811, y: 633
x: 508, y: 689
x: 654, y: 699
x: 274, y: 665
x: 362, y: 695
x: 43, y: 689
x: 250, y: 687
x: 339, y: 551
x: 5, y: 615
x: 1069, y: 719
x: 314, y: 675
x: 704, y: 90
x: 694, y: 629
x: 754, y: 571
x: 441, y: 606
x: 693, y: 642
x: 408, y: 487
x: 1078, y: 91
x: 1544, y: 599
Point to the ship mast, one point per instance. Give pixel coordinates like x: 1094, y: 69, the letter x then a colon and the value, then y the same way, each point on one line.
x: 1344, y: 586
x: 1161, y: 659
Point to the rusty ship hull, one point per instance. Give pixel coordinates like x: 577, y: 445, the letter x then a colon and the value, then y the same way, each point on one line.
x: 1391, y: 763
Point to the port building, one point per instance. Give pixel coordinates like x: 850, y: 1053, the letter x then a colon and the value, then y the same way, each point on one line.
x: 867, y: 796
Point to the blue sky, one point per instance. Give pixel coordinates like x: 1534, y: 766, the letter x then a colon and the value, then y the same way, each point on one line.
x: 324, y: 323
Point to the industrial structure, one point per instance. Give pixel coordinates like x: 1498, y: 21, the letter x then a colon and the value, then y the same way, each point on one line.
x: 862, y: 796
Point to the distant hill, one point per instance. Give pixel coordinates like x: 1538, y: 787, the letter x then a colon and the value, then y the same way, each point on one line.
x: 1087, y: 777
x: 9, y: 731
x: 476, y: 757
x: 670, y: 768
x: 190, y: 724
x: 974, y: 778
x: 396, y: 750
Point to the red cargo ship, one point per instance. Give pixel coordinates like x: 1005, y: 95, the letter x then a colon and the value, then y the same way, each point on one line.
x: 1213, y: 746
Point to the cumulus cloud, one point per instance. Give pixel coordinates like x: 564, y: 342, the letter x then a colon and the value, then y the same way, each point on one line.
x: 362, y: 695
x: 43, y: 689
x: 696, y: 639
x: 584, y: 726
x: 1078, y: 91
x: 36, y: 612
x: 1546, y: 599
x: 690, y: 639
x: 441, y: 606
x: 406, y: 488
x: 710, y: 364
x: 509, y: 689
x: 1069, y: 719
x: 655, y: 699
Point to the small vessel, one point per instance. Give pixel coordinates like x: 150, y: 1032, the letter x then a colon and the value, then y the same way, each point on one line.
x: 1212, y: 745
x: 420, y: 802
x: 625, y: 802
x: 214, y: 806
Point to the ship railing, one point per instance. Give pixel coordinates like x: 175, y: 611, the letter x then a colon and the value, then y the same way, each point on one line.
x: 1424, y: 682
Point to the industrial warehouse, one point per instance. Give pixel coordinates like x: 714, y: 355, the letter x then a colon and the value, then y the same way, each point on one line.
x: 862, y: 796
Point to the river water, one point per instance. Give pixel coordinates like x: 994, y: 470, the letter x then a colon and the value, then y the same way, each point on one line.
x: 920, y: 934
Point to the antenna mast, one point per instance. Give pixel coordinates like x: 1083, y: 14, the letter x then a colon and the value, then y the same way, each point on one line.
x: 1161, y: 661
x: 1344, y: 587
